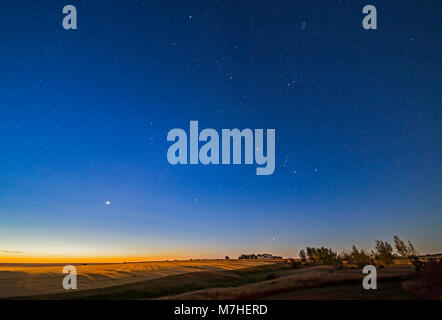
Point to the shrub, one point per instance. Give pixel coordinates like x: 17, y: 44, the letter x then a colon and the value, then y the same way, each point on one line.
x: 417, y: 263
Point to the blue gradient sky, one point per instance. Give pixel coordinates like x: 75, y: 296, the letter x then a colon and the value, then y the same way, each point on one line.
x: 84, y: 117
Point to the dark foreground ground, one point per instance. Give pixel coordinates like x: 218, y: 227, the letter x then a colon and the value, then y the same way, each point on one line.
x: 270, y: 281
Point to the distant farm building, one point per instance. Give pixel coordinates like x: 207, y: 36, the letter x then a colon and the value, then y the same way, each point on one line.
x: 259, y: 256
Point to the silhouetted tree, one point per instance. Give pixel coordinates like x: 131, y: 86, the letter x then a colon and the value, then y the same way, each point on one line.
x: 322, y: 255
x: 303, y: 255
x: 400, y: 247
x: 311, y: 254
x: 411, y: 250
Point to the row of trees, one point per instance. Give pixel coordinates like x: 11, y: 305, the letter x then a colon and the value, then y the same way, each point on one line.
x: 383, y: 254
x: 319, y: 255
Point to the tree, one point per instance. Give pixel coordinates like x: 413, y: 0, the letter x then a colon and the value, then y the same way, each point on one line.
x: 303, y: 255
x: 321, y: 255
x: 384, y: 252
x: 411, y: 250
x: 402, y: 249
x: 311, y: 254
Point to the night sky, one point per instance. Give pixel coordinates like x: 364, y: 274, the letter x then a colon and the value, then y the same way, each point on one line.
x: 84, y: 116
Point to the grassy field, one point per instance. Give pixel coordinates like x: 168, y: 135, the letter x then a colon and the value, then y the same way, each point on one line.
x: 201, y: 279
x: 313, y: 282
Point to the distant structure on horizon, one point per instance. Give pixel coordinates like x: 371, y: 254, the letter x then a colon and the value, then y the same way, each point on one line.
x: 259, y: 256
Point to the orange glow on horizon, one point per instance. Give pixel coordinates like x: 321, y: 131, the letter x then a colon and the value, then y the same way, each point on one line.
x: 118, y: 259
x: 22, y: 258
x: 83, y: 254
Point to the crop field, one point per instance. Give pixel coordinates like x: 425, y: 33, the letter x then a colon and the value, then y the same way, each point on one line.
x: 19, y: 280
